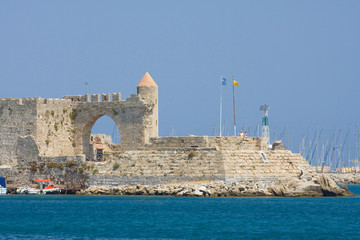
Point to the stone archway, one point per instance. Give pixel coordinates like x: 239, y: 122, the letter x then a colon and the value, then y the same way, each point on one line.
x: 136, y: 119
x: 86, y: 136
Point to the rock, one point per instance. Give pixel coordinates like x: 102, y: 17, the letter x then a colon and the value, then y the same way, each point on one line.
x: 345, y: 178
x: 328, y: 186
x: 276, y: 190
x: 202, y: 188
x: 130, y: 190
x: 140, y: 192
x: 198, y: 193
x: 347, y: 192
x: 182, y: 193
x: 161, y: 191
x: 307, y: 184
x: 277, y: 145
x: 176, y: 190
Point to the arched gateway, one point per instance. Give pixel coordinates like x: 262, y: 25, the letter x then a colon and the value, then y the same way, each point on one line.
x: 136, y: 118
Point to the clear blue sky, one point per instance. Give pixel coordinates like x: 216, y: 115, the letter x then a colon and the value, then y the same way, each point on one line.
x: 300, y: 57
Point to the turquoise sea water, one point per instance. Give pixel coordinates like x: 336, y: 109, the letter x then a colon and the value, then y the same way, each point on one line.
x: 119, y: 217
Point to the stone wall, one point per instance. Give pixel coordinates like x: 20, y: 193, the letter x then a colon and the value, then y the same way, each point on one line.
x: 247, y: 164
x: 228, y: 159
x: 220, y: 143
x: 67, y: 172
x: 224, y: 160
x: 153, y: 166
x: 17, y: 118
x: 55, y: 127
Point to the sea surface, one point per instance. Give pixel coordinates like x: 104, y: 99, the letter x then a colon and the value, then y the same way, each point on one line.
x: 126, y: 217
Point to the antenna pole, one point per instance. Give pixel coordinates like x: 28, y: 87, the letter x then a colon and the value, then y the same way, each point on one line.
x: 234, y: 105
x: 221, y: 83
x: 86, y: 84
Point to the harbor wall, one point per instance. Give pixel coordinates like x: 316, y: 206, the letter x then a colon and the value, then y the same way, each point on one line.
x: 227, y: 159
x: 222, y: 159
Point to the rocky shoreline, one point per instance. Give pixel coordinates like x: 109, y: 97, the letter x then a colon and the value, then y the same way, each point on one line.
x: 345, y: 178
x: 306, y: 185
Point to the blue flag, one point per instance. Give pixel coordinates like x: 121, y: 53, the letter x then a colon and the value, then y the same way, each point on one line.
x: 223, y: 82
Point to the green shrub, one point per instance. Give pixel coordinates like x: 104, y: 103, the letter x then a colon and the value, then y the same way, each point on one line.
x: 41, y: 166
x: 60, y: 166
x: 52, y: 113
x: 33, y: 167
x: 86, y: 166
x: 47, y: 141
x: 51, y: 164
x: 191, y: 154
x: 116, y: 166
x: 70, y: 163
x: 72, y: 115
x: 95, y: 171
x: 56, y: 126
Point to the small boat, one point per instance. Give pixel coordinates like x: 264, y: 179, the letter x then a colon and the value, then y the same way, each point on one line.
x: 22, y: 190
x: 46, y: 187
x: 3, y: 189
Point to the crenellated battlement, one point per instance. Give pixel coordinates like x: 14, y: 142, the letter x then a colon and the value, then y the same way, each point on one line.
x: 108, y: 97
x: 104, y: 97
x: 19, y: 101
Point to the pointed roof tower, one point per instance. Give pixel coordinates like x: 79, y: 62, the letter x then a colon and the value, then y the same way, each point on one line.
x: 147, y: 81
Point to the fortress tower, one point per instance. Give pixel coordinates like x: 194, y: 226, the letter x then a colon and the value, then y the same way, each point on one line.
x: 148, y: 90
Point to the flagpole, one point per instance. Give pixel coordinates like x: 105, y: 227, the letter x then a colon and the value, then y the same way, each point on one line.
x: 220, y: 103
x: 234, y: 105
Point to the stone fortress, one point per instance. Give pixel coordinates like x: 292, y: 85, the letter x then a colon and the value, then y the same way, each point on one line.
x: 51, y: 138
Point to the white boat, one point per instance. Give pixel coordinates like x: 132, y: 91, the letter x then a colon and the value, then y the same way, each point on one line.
x: 27, y: 190
x: 46, y: 187
x: 3, y: 189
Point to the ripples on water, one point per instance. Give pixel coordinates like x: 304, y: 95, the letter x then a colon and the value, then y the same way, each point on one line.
x: 116, y: 217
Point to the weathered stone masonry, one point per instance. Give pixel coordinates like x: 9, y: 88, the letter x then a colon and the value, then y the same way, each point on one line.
x: 51, y: 138
x: 62, y: 127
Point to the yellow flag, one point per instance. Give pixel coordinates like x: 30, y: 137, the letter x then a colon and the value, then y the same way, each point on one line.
x: 235, y: 83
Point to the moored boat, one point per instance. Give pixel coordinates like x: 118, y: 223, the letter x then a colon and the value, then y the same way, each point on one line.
x: 3, y: 189
x: 26, y: 190
x: 50, y: 187
x: 45, y: 187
